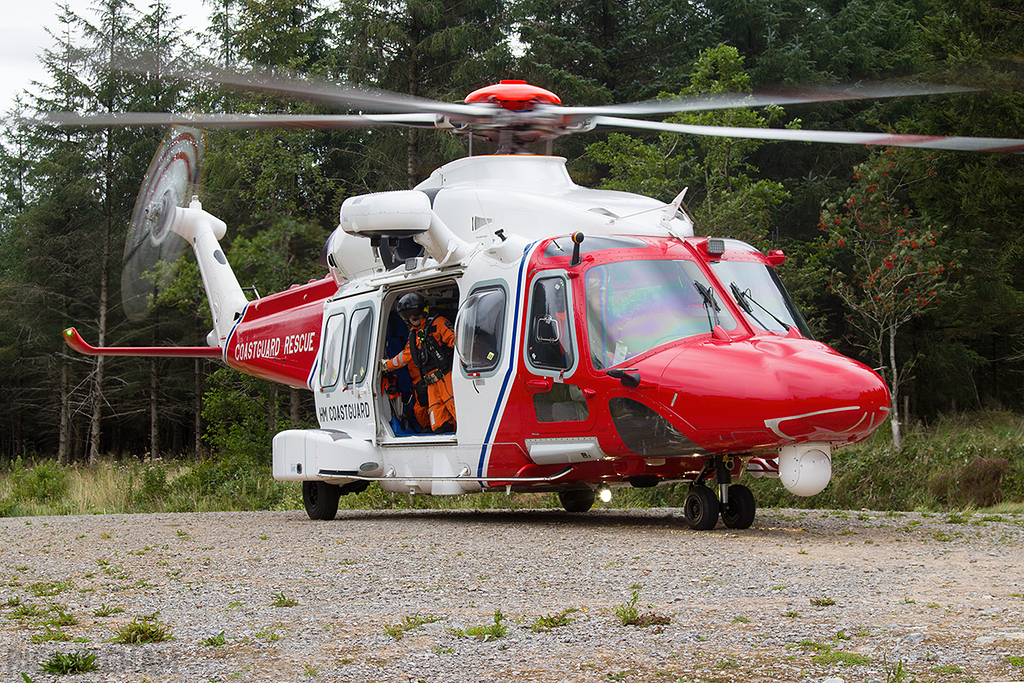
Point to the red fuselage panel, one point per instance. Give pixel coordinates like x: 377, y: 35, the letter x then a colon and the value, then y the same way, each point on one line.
x: 278, y: 336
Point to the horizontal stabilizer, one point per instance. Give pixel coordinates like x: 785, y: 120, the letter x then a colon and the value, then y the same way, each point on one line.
x: 75, y: 341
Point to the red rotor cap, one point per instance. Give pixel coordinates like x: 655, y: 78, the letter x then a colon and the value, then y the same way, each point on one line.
x: 513, y: 95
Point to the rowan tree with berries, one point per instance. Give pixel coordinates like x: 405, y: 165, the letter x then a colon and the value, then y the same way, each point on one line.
x: 894, y: 264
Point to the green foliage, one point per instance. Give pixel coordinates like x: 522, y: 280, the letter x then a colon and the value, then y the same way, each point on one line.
x: 397, y: 631
x: 550, y: 621
x: 214, y: 641
x: 63, y: 664
x: 485, y: 633
x: 282, y: 600
x: 45, y: 482
x: 724, y: 194
x: 629, y: 613
x: 143, y: 630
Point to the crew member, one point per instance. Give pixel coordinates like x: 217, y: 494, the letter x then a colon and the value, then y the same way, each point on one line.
x: 428, y: 357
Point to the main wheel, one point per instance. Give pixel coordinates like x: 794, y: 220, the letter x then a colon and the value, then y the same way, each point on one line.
x: 739, y: 513
x: 700, y: 509
x: 320, y: 499
x: 577, y: 500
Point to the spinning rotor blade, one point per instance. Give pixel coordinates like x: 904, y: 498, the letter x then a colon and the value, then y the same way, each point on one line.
x: 173, y: 177
x: 342, y: 96
x: 240, y: 121
x: 964, y: 144
x: 710, y: 102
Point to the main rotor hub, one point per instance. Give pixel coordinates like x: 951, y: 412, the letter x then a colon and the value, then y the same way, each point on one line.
x: 513, y: 95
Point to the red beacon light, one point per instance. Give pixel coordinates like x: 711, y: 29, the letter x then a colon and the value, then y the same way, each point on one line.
x: 513, y: 95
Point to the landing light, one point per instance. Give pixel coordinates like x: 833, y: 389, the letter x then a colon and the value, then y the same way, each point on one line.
x: 605, y: 494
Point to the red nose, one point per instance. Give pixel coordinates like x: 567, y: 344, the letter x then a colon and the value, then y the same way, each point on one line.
x: 768, y: 392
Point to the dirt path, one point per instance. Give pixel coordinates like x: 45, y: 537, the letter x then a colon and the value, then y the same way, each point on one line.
x: 801, y: 596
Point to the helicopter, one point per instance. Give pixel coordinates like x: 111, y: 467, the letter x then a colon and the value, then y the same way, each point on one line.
x: 598, y: 342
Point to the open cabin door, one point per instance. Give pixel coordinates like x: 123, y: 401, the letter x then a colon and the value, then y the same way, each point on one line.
x: 343, y: 379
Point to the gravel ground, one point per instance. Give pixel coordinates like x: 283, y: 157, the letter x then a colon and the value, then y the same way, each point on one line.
x: 800, y: 596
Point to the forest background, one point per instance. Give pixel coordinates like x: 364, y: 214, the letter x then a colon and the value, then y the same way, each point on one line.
x: 909, y: 260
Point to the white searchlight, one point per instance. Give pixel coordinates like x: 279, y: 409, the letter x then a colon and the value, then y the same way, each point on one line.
x: 806, y: 469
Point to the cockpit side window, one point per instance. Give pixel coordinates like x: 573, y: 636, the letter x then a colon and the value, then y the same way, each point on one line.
x: 634, y: 306
x: 549, y: 343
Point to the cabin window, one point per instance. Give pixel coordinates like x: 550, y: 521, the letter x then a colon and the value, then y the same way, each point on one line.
x: 549, y: 345
x: 358, y: 346
x: 480, y: 328
x: 330, y: 364
x: 634, y: 306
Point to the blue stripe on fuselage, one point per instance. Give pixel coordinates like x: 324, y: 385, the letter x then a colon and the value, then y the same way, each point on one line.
x: 511, y: 366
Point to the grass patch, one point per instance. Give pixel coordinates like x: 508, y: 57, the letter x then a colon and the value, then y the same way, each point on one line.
x: 629, y: 613
x: 397, y: 631
x: 104, y: 611
x: 841, y: 658
x: 551, y: 621
x: 485, y: 633
x: 62, y: 664
x: 145, y: 630
x: 214, y: 641
x: 282, y: 600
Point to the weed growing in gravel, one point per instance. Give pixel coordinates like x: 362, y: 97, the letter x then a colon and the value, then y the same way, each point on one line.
x: 484, y: 633
x: 844, y: 658
x: 62, y: 664
x: 214, y: 641
x: 50, y: 635
x: 104, y: 611
x: 26, y: 611
x: 823, y: 602
x: 282, y: 600
x: 550, y: 621
x: 396, y: 631
x: 629, y: 614
x: 45, y: 589
x: 145, y: 630
x: 1015, y: 660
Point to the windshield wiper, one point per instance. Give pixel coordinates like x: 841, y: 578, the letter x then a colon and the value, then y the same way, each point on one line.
x: 744, y: 299
x: 710, y: 304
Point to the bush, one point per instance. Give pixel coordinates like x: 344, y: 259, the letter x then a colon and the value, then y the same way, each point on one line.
x: 46, y: 482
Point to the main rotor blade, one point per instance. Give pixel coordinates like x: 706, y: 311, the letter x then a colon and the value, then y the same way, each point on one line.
x: 238, y: 121
x: 713, y: 101
x: 342, y: 96
x: 964, y: 144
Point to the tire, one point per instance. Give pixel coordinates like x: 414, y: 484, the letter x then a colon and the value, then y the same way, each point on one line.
x: 700, y: 509
x: 739, y: 513
x: 320, y: 499
x: 577, y: 500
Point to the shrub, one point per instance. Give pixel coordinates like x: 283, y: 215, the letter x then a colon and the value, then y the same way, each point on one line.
x: 46, y: 482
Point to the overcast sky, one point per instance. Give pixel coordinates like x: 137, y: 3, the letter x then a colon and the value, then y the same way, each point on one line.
x: 23, y: 38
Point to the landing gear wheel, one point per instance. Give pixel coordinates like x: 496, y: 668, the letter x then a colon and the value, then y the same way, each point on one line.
x: 700, y: 509
x: 320, y: 499
x: 739, y: 513
x: 577, y: 500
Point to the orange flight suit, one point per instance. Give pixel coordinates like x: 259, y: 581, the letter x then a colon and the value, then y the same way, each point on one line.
x: 441, y: 408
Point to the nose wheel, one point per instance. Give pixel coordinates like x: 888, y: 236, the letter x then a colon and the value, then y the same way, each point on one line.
x: 701, y: 508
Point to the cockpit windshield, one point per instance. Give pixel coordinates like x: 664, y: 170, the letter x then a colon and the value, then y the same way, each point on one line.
x: 757, y: 289
x: 634, y: 306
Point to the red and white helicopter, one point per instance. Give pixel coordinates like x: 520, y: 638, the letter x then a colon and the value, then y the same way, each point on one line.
x: 598, y: 342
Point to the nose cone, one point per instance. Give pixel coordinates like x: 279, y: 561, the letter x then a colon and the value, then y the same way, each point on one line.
x: 769, y: 392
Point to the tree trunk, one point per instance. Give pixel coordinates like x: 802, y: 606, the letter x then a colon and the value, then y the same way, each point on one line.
x: 64, y: 438
x: 154, y: 413
x: 894, y: 414
x: 295, y: 404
